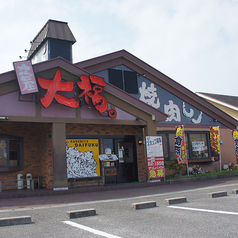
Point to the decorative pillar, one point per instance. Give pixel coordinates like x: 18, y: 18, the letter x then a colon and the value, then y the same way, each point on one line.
x: 59, y: 156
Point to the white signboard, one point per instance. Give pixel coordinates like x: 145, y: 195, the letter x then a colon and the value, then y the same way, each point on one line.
x: 198, y: 145
x: 155, y: 156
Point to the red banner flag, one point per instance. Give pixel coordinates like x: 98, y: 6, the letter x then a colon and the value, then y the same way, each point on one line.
x: 215, y: 143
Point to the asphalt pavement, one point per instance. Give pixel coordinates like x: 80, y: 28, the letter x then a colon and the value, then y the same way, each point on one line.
x: 113, y: 193
x: 199, y: 216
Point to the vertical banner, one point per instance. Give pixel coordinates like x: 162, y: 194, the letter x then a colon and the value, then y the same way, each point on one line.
x: 235, y: 139
x: 26, y: 77
x: 215, y: 143
x: 82, y: 158
x: 179, y: 145
x: 155, y: 157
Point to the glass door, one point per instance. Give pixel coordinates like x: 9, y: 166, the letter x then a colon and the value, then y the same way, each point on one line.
x: 127, y: 166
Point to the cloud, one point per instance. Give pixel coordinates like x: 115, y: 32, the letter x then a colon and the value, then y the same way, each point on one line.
x: 193, y: 42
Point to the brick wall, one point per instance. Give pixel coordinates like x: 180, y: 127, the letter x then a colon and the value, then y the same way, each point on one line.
x: 37, y: 149
x: 141, y: 162
x: 38, y: 152
x: 77, y: 129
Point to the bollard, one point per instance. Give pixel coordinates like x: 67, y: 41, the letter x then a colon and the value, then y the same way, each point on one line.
x: 32, y: 184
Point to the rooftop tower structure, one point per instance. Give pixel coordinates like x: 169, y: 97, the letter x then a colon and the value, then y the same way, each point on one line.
x: 54, y: 39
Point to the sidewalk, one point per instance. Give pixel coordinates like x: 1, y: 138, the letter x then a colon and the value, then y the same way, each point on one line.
x: 19, y: 199
x: 14, y: 193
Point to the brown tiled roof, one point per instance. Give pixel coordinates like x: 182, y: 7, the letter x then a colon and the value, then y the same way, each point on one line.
x: 231, y: 100
x: 54, y: 30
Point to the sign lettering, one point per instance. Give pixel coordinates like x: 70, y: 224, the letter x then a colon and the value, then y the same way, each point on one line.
x: 25, y: 76
x: 91, y: 86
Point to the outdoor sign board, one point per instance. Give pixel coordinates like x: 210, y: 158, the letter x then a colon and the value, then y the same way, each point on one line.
x: 26, y: 77
x: 82, y: 158
x: 155, y: 157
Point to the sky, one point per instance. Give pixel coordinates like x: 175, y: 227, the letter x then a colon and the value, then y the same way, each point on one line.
x: 193, y: 42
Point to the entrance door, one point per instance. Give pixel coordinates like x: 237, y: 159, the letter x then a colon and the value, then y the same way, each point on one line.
x: 127, y: 166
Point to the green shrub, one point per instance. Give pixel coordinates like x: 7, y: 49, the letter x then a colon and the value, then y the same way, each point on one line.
x: 174, y: 167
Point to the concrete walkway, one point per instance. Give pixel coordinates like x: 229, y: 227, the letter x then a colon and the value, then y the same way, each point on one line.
x: 105, y: 192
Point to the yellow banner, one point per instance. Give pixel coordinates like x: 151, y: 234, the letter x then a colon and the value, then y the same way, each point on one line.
x: 82, y: 157
x: 235, y: 139
x: 215, y: 143
x: 179, y: 145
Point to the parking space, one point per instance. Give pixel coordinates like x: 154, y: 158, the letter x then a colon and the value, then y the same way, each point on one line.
x: 200, y: 215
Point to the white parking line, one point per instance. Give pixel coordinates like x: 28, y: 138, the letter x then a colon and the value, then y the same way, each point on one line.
x: 89, y: 229
x: 205, y: 210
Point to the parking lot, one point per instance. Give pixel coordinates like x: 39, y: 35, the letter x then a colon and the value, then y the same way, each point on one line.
x: 200, y: 215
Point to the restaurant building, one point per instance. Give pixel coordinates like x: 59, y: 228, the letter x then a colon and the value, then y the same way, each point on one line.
x: 57, y: 127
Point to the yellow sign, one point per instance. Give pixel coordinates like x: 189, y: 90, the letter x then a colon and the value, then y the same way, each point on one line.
x: 179, y: 131
x: 82, y: 157
x: 235, y: 134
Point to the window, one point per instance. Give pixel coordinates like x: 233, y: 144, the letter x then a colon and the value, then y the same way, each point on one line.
x: 108, y: 144
x: 3, y: 152
x: 10, y: 153
x: 197, y: 146
x: 168, y: 145
x: 125, y: 80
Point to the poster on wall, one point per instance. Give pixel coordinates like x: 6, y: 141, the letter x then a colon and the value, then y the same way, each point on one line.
x: 155, y: 157
x: 215, y: 143
x: 179, y: 145
x: 82, y: 158
x: 235, y: 139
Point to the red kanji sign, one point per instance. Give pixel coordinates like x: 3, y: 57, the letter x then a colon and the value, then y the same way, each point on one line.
x: 57, y: 85
x: 99, y: 101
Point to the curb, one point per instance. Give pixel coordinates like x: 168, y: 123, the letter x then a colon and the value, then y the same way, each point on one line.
x: 217, y: 194
x: 171, y: 201
x: 143, y: 205
x: 81, y: 213
x: 202, y: 178
x: 11, y: 221
x: 234, y: 191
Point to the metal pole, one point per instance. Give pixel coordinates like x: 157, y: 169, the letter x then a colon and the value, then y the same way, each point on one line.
x: 187, y: 168
x: 220, y: 155
x: 219, y: 147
